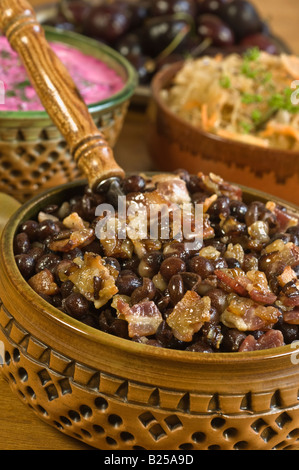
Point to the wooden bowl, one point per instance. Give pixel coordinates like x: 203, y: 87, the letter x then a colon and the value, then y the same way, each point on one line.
x: 33, y: 154
x: 115, y: 394
x: 174, y: 143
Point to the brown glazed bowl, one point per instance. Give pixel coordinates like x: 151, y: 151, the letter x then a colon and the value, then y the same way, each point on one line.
x: 115, y: 394
x: 34, y: 155
x: 174, y: 143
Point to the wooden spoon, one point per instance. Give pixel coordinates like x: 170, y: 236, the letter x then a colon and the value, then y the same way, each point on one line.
x: 59, y: 94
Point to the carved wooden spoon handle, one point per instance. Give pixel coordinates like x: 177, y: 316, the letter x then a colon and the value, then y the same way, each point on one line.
x: 58, y: 92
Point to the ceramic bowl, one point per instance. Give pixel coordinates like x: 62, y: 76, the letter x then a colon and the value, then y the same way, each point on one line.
x: 174, y: 143
x: 115, y: 394
x: 33, y: 154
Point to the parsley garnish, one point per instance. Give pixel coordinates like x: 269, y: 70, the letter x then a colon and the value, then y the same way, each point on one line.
x: 246, y: 127
x: 225, y: 82
x: 249, y: 98
x: 248, y: 71
x: 283, y: 101
x: 256, y: 116
x: 4, y: 54
x: 23, y: 84
x: 252, y: 54
x: 10, y: 93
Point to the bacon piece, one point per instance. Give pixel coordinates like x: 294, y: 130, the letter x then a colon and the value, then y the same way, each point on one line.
x: 247, y: 315
x: 143, y: 318
x: 253, y: 283
x: 292, y: 317
x: 118, y: 248
x: 287, y: 276
x: 43, y: 283
x: 189, y: 315
x: 284, y: 219
x: 215, y: 184
x: 231, y: 279
x: 76, y: 239
x: 173, y: 189
x: 270, y: 339
x: 91, y: 267
x: 235, y: 251
x: 257, y: 287
x: 287, y: 255
x: 74, y: 221
x: 289, y: 296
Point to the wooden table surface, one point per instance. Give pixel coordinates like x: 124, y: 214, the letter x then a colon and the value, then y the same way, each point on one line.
x: 20, y: 428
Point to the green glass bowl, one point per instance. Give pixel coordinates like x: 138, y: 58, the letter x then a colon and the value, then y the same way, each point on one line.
x: 33, y: 154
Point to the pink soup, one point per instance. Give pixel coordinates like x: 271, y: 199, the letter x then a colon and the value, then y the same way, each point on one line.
x: 94, y: 79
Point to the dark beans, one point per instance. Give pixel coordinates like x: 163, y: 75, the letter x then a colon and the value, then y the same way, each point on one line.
x: 176, y: 288
x: 46, y: 229
x: 26, y: 264
x: 66, y: 288
x: 97, y: 286
x: 202, y: 266
x: 190, y: 280
x: 76, y: 305
x: 177, y: 249
x: 131, y: 263
x: 127, y: 282
x: 290, y: 332
x: 199, y: 197
x: 194, y: 184
x: 75, y: 253
x: 36, y: 252
x: 221, y: 263
x: 294, y: 232
x: 238, y: 209
x: 232, y: 263
x: 219, y: 207
x: 254, y: 212
x: 150, y: 264
x: 145, y: 292
x: 183, y: 174
x: 218, y: 299
x: 163, y: 301
x: 166, y: 337
x: 133, y: 184
x: 30, y: 227
x: 51, y: 209
x: 250, y: 262
x: 232, y: 339
x: 119, y: 328
x: 109, y: 324
x: 21, y: 243
x: 49, y: 261
x: 113, y: 262
x: 171, y: 266
x: 200, y: 347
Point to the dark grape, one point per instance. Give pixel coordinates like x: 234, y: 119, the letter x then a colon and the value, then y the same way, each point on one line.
x: 264, y: 43
x: 169, y: 7
x: 108, y: 22
x: 159, y: 32
x: 211, y: 6
x: 242, y: 17
x: 211, y: 27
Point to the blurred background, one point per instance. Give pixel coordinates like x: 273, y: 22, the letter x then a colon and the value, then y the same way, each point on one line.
x: 282, y: 15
